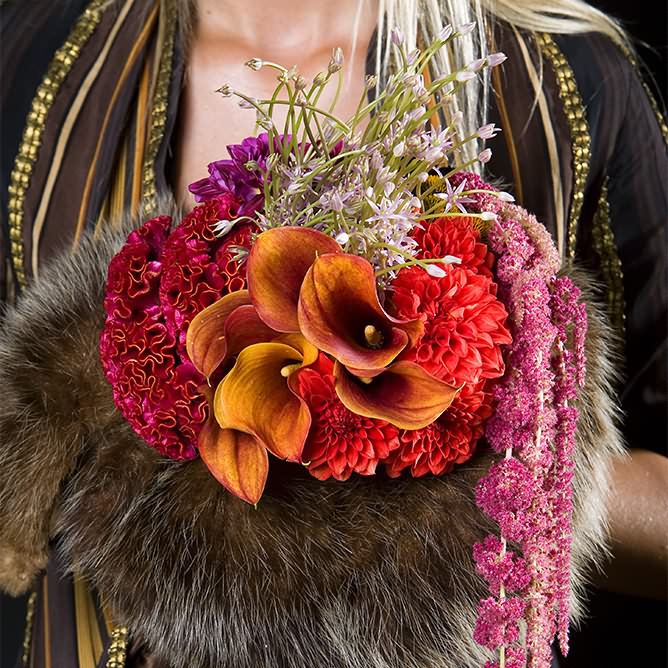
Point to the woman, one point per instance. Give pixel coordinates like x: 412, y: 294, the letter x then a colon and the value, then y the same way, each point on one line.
x: 127, y: 111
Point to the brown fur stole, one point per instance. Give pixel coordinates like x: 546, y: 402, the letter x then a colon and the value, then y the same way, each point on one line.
x: 372, y: 572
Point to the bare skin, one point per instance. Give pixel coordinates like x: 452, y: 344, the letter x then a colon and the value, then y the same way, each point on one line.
x: 291, y: 32
x: 639, y: 527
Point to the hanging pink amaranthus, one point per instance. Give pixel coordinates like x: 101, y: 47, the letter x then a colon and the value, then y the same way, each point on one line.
x: 528, y: 493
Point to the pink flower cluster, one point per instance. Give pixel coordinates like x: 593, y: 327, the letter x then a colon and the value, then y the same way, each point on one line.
x: 528, y: 493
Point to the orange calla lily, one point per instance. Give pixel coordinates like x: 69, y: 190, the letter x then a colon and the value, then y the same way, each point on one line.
x: 405, y: 395
x: 277, y: 264
x: 255, y: 397
x: 339, y: 312
x: 236, y: 460
x: 205, y: 340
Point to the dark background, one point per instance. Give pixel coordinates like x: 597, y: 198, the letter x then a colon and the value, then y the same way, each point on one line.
x: 623, y: 631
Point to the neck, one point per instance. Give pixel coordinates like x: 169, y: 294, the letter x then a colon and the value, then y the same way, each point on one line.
x: 279, y: 29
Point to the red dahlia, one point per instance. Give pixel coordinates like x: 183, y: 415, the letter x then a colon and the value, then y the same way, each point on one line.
x: 450, y: 440
x: 464, y: 323
x: 340, y: 442
x: 454, y: 236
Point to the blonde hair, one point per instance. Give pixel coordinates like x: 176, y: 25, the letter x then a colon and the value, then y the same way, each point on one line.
x: 421, y: 20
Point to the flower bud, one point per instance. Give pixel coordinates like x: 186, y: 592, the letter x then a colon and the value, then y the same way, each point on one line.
x: 255, y: 64
x: 495, y: 59
x: 320, y: 79
x: 445, y: 32
x: 225, y: 90
x: 413, y: 57
x: 264, y: 122
x: 336, y: 62
x: 435, y: 271
x: 505, y: 197
x: 247, y: 104
x: 222, y: 227
x: 485, y: 156
x: 397, y: 36
x: 466, y: 28
x: 409, y: 80
x: 465, y: 75
x: 476, y: 65
x: 487, y: 131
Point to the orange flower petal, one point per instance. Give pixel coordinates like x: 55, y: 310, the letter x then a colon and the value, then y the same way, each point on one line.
x: 277, y: 264
x: 236, y: 460
x: 205, y: 339
x: 404, y: 395
x: 340, y: 314
x: 243, y: 328
x: 255, y: 398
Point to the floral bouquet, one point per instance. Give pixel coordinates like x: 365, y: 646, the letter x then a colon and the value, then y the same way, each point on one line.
x: 349, y: 300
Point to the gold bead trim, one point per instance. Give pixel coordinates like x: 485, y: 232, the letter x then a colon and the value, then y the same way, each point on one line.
x: 659, y: 116
x: 27, y: 633
x: 118, y: 648
x: 159, y: 110
x: 58, y: 69
x: 603, y: 241
x: 577, y: 123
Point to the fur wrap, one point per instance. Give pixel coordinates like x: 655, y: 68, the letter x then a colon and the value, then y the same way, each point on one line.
x: 372, y: 573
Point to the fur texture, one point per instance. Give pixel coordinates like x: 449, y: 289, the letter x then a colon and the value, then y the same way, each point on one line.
x: 372, y: 572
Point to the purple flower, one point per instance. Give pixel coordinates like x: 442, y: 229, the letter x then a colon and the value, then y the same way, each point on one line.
x: 243, y: 175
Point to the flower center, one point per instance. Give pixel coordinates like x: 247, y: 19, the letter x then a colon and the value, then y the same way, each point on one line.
x: 290, y: 369
x: 373, y: 337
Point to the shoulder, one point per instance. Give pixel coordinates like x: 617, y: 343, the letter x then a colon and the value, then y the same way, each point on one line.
x: 609, y: 78
x: 601, y: 67
x: 30, y: 34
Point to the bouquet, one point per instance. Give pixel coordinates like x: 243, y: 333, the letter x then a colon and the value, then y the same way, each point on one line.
x: 349, y: 300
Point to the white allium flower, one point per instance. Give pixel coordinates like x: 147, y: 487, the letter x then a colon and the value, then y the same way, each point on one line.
x: 445, y: 32
x: 223, y: 227
x: 488, y: 131
x: 476, y: 65
x: 454, y: 197
x: 495, y: 59
x: 485, y: 155
x: 465, y: 75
